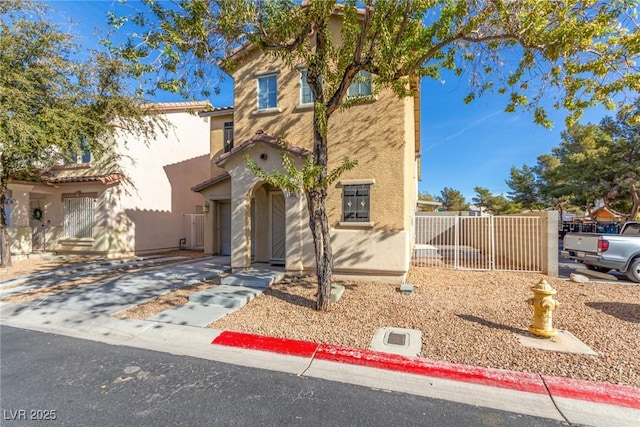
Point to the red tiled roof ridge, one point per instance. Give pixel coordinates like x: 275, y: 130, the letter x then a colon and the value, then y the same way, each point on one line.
x: 260, y: 136
x: 110, y: 178
x: 186, y: 105
x: 213, y: 180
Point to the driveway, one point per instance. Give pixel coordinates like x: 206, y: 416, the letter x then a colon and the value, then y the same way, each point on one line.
x: 121, y: 292
x: 567, y: 266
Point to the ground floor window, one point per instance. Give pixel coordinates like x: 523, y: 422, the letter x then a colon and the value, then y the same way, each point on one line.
x: 78, y: 217
x: 355, y: 202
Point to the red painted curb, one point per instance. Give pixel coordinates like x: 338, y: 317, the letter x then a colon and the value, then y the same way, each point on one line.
x: 263, y: 343
x: 521, y: 381
x: 609, y: 394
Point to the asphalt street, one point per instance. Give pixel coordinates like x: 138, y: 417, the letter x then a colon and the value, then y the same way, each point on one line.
x: 76, y: 382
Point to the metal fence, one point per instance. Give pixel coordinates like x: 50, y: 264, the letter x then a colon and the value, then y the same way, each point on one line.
x: 194, y: 231
x: 509, y: 243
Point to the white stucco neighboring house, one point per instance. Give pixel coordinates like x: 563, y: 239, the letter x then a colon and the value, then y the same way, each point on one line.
x: 130, y: 202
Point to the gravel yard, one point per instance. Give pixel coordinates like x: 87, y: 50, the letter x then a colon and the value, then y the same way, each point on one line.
x: 465, y: 317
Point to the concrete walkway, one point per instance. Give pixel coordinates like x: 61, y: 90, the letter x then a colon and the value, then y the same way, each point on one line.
x: 61, y: 275
x: 124, y: 291
x: 119, y: 293
x: 207, y: 306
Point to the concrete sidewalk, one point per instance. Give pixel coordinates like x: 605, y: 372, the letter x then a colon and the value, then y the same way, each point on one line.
x: 561, y: 399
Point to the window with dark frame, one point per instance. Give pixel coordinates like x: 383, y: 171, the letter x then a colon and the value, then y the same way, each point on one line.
x: 228, y: 136
x: 355, y: 202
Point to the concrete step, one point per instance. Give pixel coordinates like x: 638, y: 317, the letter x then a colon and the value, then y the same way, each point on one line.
x: 256, y: 279
x: 226, y: 296
x: 192, y: 314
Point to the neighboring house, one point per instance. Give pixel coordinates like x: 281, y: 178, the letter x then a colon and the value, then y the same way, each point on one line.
x: 370, y: 208
x: 129, y: 202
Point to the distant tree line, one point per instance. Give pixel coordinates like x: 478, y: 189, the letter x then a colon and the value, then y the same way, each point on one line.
x: 593, y: 162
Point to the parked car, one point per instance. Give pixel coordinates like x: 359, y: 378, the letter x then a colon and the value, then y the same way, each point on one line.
x: 604, y: 252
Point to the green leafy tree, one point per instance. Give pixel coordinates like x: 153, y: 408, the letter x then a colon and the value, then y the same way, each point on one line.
x: 50, y: 102
x: 591, y: 163
x: 425, y: 195
x: 495, y: 204
x: 452, y: 200
x: 525, y: 189
x: 509, y: 46
x: 624, y: 161
x: 553, y: 187
x: 583, y: 154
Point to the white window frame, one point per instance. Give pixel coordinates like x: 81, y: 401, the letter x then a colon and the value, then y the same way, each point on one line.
x: 78, y: 217
x: 356, y: 88
x: 304, y: 86
x: 267, y: 77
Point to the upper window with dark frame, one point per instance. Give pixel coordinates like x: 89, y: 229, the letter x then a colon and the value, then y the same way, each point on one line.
x: 228, y: 136
x: 267, y: 92
x: 361, y: 85
x: 355, y: 202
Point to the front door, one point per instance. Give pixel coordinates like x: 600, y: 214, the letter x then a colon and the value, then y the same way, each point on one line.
x: 36, y: 221
x: 278, y: 228
x: 224, y: 225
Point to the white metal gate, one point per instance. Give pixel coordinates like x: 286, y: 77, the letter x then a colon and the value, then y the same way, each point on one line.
x: 510, y: 243
x: 194, y: 231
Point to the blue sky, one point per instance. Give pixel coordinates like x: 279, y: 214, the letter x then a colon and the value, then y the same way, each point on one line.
x: 463, y: 146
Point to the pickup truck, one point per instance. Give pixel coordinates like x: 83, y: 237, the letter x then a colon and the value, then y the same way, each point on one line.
x: 604, y: 252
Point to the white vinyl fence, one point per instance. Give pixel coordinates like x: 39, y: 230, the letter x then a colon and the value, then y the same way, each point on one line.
x: 510, y: 243
x: 194, y: 231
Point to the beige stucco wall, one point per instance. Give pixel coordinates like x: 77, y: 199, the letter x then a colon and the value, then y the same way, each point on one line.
x: 379, y: 134
x: 145, y: 214
x: 216, y: 147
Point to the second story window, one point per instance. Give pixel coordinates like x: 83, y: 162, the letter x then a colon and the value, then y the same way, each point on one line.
x: 361, y: 85
x: 86, y: 154
x: 228, y: 136
x: 267, y: 92
x: 306, y: 97
x: 83, y: 154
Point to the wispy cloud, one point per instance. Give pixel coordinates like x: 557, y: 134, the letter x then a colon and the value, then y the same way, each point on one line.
x: 464, y: 129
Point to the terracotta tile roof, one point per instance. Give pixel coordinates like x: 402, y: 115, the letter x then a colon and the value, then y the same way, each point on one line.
x: 179, y: 106
x: 111, y: 178
x: 217, y: 111
x: 209, y: 182
x: 260, y: 137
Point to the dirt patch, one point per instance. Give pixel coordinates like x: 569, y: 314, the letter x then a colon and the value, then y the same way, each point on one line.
x: 465, y: 317
x: 166, y: 302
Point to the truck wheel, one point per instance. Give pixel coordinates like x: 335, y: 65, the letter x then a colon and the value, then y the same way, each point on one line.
x: 597, y: 268
x: 633, y: 273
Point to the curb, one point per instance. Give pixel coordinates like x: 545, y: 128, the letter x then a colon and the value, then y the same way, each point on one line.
x: 589, y: 391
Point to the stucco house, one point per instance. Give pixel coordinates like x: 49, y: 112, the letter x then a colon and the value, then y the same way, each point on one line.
x: 370, y: 208
x: 129, y: 202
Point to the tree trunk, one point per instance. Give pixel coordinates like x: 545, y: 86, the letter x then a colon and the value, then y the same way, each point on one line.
x: 635, y: 195
x: 319, y: 224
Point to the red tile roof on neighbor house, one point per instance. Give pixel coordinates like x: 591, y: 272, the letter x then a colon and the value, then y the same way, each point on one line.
x: 218, y: 111
x: 260, y: 137
x: 209, y: 182
x: 166, y: 107
x: 111, y: 178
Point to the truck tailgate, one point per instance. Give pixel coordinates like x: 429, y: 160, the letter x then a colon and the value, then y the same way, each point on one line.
x: 583, y: 242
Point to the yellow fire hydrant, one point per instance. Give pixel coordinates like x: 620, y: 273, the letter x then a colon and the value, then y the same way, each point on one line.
x: 543, y: 307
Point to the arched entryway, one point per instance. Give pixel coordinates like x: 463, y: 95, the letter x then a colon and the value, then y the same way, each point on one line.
x: 268, y: 225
